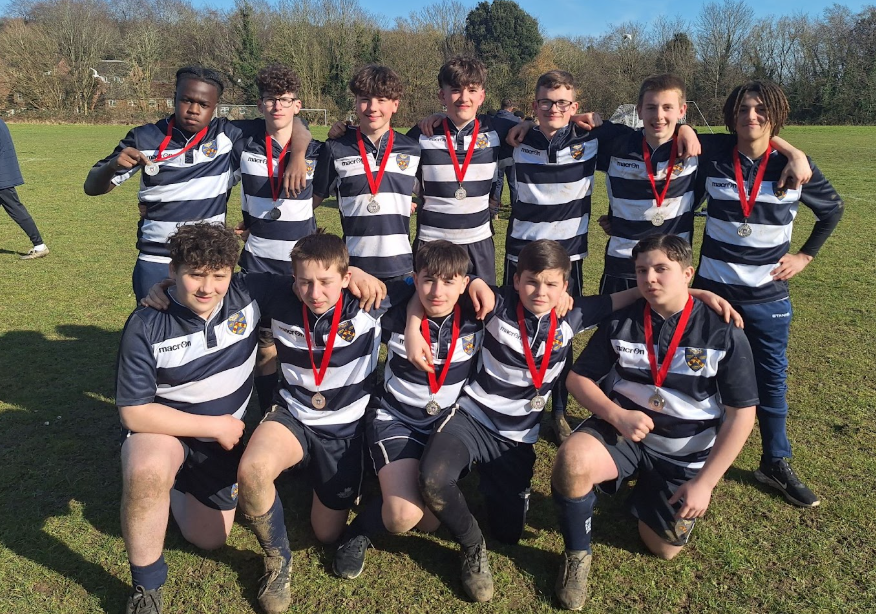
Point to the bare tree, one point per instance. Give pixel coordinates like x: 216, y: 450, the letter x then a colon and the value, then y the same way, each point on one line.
x: 720, y: 33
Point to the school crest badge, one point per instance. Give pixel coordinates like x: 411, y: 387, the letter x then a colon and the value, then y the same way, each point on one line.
x: 403, y: 161
x: 577, y: 151
x: 309, y: 165
x: 347, y: 331
x: 678, y: 167
x: 558, y: 340
x: 209, y: 149
x: 694, y: 357
x: 778, y: 192
x: 483, y: 142
x: 237, y: 323
x: 468, y: 344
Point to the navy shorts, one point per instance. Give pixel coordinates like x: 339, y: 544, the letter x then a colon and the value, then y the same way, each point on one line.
x: 389, y: 439
x: 333, y: 465
x: 610, y: 284
x: 656, y: 482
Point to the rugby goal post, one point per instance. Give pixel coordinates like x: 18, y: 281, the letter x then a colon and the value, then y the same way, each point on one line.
x: 626, y: 114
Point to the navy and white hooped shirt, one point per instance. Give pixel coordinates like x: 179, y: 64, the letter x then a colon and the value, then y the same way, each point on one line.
x: 405, y: 388
x: 178, y: 359
x: 712, y: 368
x: 500, y: 392
x: 442, y: 215
x: 631, y: 202
x: 554, y: 185
x: 270, y: 240
x: 379, y: 243
x: 192, y: 187
x: 738, y: 268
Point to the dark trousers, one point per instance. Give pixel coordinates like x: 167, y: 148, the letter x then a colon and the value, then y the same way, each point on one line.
x: 10, y: 201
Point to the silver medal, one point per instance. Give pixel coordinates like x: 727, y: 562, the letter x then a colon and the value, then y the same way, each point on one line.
x: 318, y: 401
x: 275, y: 213
x: 460, y: 193
x: 151, y: 169
x: 432, y: 408
x: 744, y: 230
x: 538, y: 402
x: 373, y: 206
x: 656, y: 401
x: 658, y: 219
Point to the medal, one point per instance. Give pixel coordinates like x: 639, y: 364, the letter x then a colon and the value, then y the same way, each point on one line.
x: 152, y: 168
x: 318, y: 400
x: 432, y: 407
x: 275, y: 213
x: 460, y: 193
x: 659, y: 197
x: 745, y: 200
x: 269, y: 161
x: 538, y: 402
x: 656, y: 402
x: 374, y: 183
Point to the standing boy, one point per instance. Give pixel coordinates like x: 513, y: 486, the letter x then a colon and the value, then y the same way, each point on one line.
x: 676, y: 408
x: 187, y: 174
x: 745, y: 256
x: 10, y: 177
x: 274, y: 222
x: 184, y: 381
x: 376, y: 169
x: 505, y: 166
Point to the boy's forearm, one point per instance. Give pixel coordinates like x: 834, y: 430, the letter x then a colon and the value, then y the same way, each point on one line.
x: 785, y: 148
x: 591, y: 397
x: 164, y: 420
x: 99, y: 179
x: 619, y: 300
x: 300, y: 139
x: 731, y: 437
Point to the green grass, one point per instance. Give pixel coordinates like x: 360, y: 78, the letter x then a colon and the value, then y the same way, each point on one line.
x: 60, y: 547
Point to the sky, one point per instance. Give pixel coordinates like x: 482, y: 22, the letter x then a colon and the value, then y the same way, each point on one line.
x: 589, y: 17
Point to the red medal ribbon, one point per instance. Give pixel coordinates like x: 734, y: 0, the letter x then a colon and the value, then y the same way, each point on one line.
x: 374, y: 184
x: 170, y: 124
x: 434, y: 385
x: 747, y: 202
x: 660, y: 375
x: 269, y: 150
x: 460, y: 172
x: 329, y: 345
x: 537, y: 374
x: 673, y: 154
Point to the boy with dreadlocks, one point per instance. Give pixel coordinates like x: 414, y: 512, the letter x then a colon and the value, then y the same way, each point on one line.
x: 746, y: 257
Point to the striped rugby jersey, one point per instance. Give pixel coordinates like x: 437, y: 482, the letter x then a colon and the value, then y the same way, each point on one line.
x: 711, y: 368
x: 379, y: 243
x: 554, y: 184
x: 346, y: 385
x: 178, y: 359
x: 501, y: 389
x: 442, y: 216
x: 192, y: 187
x: 631, y: 202
x: 738, y: 268
x: 271, y: 240
x: 405, y: 388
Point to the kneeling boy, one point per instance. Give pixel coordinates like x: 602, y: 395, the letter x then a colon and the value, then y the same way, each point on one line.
x: 184, y: 381
x: 675, y: 408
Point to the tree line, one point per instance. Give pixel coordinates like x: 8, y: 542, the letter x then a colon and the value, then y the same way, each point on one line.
x: 63, y: 59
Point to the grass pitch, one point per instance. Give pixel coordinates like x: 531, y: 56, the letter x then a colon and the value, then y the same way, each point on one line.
x: 60, y: 547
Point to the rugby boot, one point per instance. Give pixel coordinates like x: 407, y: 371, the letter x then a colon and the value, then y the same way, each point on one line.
x: 275, y: 593
x: 477, y: 579
x: 571, y: 586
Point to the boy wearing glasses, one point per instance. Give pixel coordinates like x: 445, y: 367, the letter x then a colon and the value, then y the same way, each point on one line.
x: 274, y: 220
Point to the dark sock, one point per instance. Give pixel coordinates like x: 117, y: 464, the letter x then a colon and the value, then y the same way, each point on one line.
x: 575, y: 518
x: 471, y: 537
x: 369, y: 522
x: 270, y: 530
x: 264, y: 385
x: 150, y: 576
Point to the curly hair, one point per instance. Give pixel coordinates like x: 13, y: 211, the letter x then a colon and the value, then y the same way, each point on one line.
x: 375, y: 81
x: 204, y: 245
x: 676, y: 248
x: 199, y: 73
x: 462, y: 71
x: 327, y: 249
x: 773, y: 98
x: 278, y: 79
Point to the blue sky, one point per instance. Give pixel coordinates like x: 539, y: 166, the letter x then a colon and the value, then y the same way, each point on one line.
x: 589, y: 17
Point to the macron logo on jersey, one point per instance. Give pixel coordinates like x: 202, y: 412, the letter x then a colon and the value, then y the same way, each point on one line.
x: 176, y: 346
x: 627, y: 164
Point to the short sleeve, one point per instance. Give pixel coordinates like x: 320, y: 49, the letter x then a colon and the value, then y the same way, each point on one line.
x: 736, y: 380
x: 136, y: 375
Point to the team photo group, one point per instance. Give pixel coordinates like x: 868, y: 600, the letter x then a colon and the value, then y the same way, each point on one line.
x: 685, y: 358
